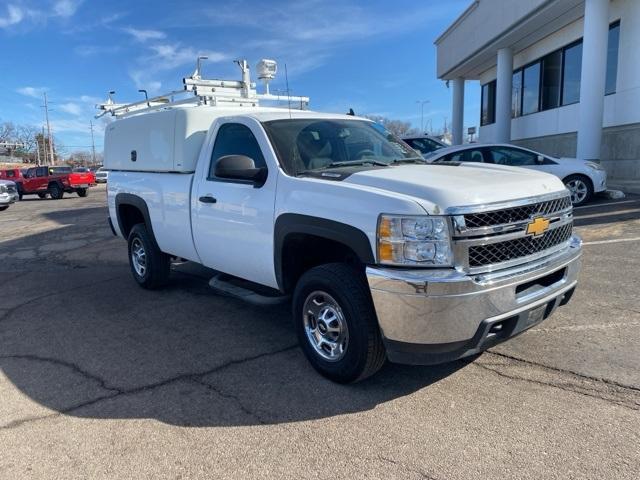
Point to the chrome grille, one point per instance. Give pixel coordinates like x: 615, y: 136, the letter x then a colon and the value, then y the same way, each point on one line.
x: 11, y: 188
x: 483, y: 255
x: 516, y: 214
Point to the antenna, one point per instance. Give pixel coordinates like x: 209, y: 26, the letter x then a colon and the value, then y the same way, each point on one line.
x: 286, y: 78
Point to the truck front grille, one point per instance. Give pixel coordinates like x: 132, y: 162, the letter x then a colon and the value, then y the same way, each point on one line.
x: 496, y: 236
x: 11, y: 188
x: 516, y: 214
x: 483, y: 255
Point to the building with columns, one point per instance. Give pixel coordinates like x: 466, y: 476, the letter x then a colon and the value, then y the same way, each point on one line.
x: 558, y: 76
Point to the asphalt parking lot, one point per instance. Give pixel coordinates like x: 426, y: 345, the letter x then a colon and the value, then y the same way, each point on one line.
x: 101, y: 379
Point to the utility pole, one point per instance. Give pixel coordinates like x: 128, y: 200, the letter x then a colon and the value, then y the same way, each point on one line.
x: 422, y: 102
x: 46, y: 113
x: 93, y: 144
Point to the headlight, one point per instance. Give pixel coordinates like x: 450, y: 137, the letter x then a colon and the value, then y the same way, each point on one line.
x: 594, y: 165
x: 414, y: 240
x: 3, y: 189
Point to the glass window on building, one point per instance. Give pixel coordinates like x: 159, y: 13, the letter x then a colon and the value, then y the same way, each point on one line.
x: 612, y: 59
x: 488, y: 113
x: 571, y: 77
x: 531, y: 89
x: 551, y: 75
x: 516, y: 92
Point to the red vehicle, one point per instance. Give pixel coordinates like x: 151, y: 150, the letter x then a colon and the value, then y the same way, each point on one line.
x: 54, y: 181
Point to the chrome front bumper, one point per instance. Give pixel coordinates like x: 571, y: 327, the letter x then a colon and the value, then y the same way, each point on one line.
x: 432, y: 316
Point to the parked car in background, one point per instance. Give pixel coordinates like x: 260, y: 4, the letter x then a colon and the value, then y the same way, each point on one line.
x: 424, y: 144
x: 8, y: 194
x: 102, y: 175
x: 582, y: 178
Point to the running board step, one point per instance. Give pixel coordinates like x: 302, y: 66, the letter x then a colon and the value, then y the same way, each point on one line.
x: 223, y: 285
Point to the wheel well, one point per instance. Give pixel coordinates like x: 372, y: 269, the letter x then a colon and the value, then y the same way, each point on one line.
x: 128, y: 216
x: 302, y: 252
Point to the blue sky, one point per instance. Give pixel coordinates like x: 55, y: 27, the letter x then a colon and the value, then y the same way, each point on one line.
x: 376, y: 57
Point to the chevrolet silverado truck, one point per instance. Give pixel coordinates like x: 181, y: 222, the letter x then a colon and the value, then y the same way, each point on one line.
x: 383, y: 255
x: 55, y: 182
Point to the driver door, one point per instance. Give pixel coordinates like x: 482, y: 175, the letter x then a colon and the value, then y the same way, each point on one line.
x: 232, y: 220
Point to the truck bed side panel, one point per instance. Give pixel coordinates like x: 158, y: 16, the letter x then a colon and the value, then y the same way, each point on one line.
x: 167, y: 196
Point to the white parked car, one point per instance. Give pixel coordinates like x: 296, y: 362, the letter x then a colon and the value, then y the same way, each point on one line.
x: 582, y: 178
x: 8, y: 194
x: 425, y: 144
x: 384, y: 255
x: 102, y: 175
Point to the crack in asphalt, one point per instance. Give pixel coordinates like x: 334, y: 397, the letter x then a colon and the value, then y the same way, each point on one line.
x: 561, y: 370
x: 194, y: 377
x: 565, y: 387
x: 28, y: 301
x: 228, y: 396
x: 407, y: 467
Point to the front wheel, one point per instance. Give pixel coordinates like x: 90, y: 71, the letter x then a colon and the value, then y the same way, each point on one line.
x: 149, y: 265
x: 3, y: 208
x: 336, y: 323
x: 82, y: 192
x: 581, y: 189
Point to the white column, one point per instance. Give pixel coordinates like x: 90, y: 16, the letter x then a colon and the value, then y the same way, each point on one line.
x: 503, y: 95
x: 457, y: 114
x: 592, y: 79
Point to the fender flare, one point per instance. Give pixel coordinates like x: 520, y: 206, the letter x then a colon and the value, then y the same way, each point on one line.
x: 140, y: 204
x: 293, y: 223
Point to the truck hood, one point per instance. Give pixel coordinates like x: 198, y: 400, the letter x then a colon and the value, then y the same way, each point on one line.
x: 437, y: 187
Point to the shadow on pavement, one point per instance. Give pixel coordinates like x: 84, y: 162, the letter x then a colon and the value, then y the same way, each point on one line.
x: 90, y: 343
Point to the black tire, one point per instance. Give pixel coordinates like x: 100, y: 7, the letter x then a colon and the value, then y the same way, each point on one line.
x: 364, y: 354
x: 55, y: 191
x: 157, y: 264
x: 82, y: 192
x: 3, y: 208
x: 42, y: 195
x: 576, y: 180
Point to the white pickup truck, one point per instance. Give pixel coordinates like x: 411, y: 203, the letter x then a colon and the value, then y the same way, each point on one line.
x: 384, y: 255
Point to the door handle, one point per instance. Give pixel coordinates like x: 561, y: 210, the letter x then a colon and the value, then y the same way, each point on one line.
x: 207, y: 199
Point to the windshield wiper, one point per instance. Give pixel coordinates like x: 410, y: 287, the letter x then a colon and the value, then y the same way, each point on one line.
x: 408, y: 160
x: 350, y: 163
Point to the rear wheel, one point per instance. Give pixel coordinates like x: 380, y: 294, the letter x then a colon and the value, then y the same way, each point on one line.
x: 82, y: 192
x: 55, y: 191
x: 150, y: 266
x: 581, y: 189
x: 336, y: 323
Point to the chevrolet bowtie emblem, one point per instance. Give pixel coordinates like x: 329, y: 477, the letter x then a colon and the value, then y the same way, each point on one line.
x: 538, y: 226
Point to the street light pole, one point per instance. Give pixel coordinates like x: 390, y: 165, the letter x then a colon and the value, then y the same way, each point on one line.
x: 422, y: 102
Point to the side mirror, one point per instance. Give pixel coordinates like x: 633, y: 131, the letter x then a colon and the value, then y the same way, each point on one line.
x: 540, y: 159
x: 240, y: 167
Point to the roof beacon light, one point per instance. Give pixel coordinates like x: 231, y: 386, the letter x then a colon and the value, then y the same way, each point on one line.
x: 267, y: 70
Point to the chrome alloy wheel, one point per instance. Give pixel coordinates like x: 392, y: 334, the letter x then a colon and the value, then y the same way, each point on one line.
x: 138, y: 257
x: 325, y: 326
x: 578, y: 189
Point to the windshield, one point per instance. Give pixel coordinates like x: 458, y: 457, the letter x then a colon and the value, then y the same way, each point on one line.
x: 304, y: 145
x: 424, y: 145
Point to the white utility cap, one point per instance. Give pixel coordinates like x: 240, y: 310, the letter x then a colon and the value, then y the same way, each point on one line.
x: 266, y: 69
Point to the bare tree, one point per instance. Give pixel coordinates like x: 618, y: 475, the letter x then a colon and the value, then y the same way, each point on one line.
x: 26, y: 135
x: 7, y: 132
x: 397, y: 127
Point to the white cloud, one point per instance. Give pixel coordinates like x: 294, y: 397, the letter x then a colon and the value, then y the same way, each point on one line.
x: 144, y: 35
x: 35, y: 92
x: 66, y: 8
x: 70, y: 108
x: 14, y: 16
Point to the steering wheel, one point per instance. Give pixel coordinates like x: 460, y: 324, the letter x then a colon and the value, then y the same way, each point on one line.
x: 365, y: 153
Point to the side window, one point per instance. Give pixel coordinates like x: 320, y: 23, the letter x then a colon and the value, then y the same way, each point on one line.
x: 11, y: 174
x: 513, y: 157
x: 41, y: 171
x: 474, y: 155
x: 235, y: 139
